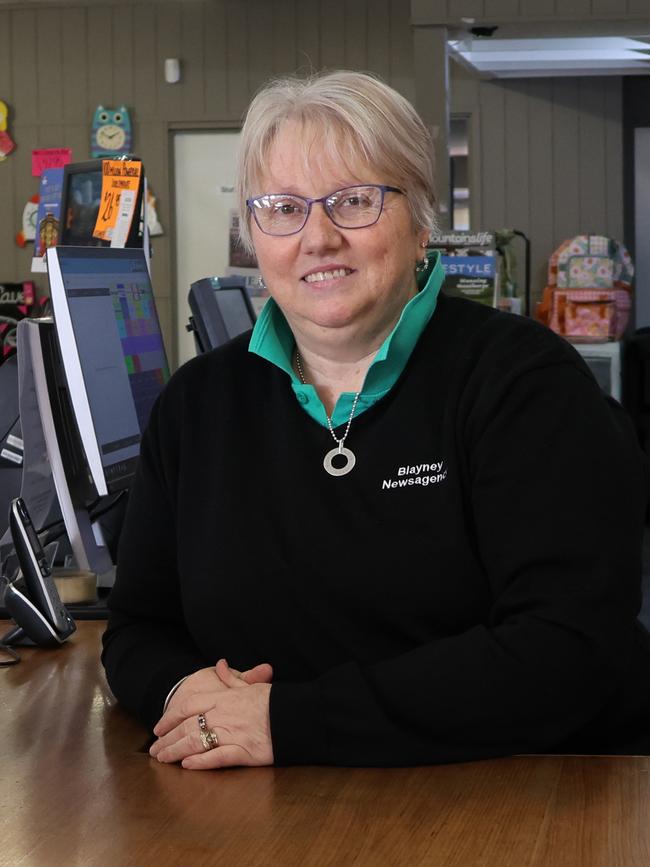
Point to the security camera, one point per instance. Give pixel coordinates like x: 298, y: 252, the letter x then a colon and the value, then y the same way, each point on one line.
x: 483, y: 31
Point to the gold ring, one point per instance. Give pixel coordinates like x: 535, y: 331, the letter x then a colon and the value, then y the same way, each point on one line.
x: 202, y: 722
x: 209, y: 739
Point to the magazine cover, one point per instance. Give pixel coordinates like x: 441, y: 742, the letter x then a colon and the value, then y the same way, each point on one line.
x: 48, y: 215
x: 471, y: 264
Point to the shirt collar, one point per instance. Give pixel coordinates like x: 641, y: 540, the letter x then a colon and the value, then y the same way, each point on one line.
x: 273, y: 340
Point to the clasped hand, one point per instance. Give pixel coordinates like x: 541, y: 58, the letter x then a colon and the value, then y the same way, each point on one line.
x: 236, y: 708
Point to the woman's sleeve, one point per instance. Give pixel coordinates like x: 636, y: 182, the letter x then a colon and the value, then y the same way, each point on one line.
x: 147, y: 648
x: 557, y: 501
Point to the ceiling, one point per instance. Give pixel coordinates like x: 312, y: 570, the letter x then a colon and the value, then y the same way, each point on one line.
x: 553, y: 56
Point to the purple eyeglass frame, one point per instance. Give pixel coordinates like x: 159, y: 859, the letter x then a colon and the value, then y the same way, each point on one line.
x: 384, y: 188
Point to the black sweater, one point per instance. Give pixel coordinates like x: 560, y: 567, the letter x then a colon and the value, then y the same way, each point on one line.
x: 470, y: 589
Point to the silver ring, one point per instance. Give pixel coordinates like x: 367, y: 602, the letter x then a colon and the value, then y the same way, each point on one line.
x: 202, y: 722
x: 209, y: 739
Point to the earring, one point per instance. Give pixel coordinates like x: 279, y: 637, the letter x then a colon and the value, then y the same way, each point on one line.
x: 424, y: 264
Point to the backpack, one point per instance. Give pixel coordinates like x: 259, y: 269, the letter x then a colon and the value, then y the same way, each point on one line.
x: 589, y: 291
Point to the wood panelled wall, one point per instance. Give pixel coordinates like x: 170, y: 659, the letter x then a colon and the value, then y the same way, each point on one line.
x: 57, y: 63
x: 547, y: 154
x: 452, y: 11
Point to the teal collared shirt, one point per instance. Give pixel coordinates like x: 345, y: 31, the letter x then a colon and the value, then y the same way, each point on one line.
x: 273, y: 340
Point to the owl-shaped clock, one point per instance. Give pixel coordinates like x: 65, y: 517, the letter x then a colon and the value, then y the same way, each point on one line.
x: 111, y: 132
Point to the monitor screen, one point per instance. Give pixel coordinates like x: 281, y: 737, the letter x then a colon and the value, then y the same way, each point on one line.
x: 80, y: 206
x: 235, y: 313
x: 221, y: 309
x: 112, y: 352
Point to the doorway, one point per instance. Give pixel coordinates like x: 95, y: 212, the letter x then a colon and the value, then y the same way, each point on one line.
x: 205, y: 163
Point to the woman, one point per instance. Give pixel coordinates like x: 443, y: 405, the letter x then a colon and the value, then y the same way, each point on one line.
x: 390, y: 527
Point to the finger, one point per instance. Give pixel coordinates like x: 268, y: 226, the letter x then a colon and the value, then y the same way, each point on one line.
x: 174, y: 750
x: 191, y: 706
x: 185, y: 730
x: 221, y: 757
x: 171, y: 737
x: 177, y: 751
x: 260, y: 674
x: 230, y: 676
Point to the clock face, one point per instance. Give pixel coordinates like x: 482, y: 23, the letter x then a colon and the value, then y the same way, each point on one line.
x: 111, y: 137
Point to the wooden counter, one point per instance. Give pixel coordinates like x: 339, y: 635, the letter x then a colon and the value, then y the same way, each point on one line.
x: 77, y: 787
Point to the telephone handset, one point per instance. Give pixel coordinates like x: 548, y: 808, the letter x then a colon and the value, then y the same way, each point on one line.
x: 34, y: 604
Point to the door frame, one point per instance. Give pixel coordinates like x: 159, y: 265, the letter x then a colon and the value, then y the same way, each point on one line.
x: 172, y: 129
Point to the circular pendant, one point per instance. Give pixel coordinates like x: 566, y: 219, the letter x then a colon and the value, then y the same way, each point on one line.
x: 350, y: 461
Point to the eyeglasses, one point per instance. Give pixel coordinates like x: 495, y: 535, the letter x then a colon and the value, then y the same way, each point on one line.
x: 350, y: 208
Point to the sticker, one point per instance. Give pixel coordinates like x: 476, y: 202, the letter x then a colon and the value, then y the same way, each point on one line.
x: 16, y: 442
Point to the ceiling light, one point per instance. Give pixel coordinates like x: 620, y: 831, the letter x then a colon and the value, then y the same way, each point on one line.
x: 606, y: 55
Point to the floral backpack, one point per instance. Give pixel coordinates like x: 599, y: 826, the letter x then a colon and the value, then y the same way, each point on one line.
x: 589, y: 291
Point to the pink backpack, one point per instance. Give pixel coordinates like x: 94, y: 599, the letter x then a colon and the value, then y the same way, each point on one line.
x: 589, y: 292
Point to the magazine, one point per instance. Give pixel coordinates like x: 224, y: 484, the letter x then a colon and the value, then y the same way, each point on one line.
x: 48, y: 215
x: 471, y: 264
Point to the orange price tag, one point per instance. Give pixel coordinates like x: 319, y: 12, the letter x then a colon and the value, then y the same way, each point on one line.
x: 120, y: 182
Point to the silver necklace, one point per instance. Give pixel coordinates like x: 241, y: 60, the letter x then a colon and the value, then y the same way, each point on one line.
x: 348, y: 454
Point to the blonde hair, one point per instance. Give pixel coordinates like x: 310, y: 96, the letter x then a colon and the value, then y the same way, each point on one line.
x: 356, y: 117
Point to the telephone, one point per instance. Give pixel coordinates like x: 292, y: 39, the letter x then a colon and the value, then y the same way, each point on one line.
x: 31, y: 597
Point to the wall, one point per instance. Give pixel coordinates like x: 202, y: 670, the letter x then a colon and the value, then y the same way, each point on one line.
x: 546, y: 153
x: 58, y: 62
x: 547, y: 158
x: 591, y: 15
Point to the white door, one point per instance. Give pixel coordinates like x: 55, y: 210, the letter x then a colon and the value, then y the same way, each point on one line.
x: 204, y: 173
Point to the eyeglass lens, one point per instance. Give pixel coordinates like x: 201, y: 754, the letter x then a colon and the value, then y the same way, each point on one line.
x: 351, y: 208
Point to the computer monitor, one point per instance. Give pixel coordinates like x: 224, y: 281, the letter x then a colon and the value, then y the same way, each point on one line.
x: 55, y: 481
x: 221, y: 309
x: 80, y: 199
x: 112, y: 353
